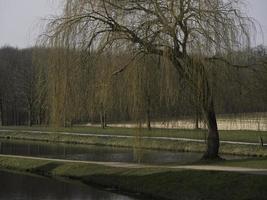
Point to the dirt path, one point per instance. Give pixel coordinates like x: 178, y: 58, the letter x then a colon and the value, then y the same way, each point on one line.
x: 136, y: 166
x: 129, y: 136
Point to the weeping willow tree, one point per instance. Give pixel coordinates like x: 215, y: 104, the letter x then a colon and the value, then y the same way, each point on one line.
x: 193, y: 35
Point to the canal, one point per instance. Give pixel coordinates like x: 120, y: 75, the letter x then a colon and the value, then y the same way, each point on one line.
x: 97, y: 153
x: 14, y: 186
x: 26, y: 187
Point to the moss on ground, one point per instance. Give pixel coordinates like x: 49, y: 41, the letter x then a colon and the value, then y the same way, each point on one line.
x: 156, y: 183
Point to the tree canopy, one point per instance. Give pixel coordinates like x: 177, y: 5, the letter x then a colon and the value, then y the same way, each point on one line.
x: 193, y: 35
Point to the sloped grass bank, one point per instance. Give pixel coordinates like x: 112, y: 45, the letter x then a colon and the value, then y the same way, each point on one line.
x: 148, y: 143
x: 108, y: 141
x: 257, y: 163
x: 155, y: 183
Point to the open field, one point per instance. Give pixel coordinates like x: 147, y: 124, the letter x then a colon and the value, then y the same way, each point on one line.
x: 246, y: 121
x: 227, y: 135
x: 156, y: 183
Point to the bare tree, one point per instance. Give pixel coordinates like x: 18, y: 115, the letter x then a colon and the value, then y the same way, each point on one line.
x: 194, y: 35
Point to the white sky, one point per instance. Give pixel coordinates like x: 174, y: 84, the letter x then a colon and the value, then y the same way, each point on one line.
x: 20, y: 20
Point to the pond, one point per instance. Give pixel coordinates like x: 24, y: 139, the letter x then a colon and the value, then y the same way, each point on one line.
x: 15, y: 186
x: 97, y: 153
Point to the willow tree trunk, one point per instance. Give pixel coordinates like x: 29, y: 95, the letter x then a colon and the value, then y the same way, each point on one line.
x: 207, y: 104
x: 213, y: 143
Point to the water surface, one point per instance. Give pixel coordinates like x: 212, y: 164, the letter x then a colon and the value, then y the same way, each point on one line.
x: 97, y: 153
x: 15, y: 186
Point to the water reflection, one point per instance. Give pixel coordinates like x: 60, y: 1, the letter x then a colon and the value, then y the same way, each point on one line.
x: 96, y: 153
x: 25, y: 187
x: 93, y: 152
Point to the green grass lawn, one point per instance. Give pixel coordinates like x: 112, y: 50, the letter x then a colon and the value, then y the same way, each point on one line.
x: 241, y: 136
x: 164, y: 184
x: 257, y: 163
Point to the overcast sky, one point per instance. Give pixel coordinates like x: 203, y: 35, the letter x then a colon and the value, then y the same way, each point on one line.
x: 20, y: 20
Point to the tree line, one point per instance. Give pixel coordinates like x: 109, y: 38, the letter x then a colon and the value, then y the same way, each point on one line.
x: 17, y: 87
x: 39, y: 89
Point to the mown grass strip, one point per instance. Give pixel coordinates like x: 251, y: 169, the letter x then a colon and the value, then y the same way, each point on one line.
x: 229, y: 135
x: 156, y: 183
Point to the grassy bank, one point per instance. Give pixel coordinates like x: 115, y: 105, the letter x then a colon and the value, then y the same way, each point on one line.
x: 150, y: 182
x: 133, y: 142
x: 257, y: 163
x: 233, y: 135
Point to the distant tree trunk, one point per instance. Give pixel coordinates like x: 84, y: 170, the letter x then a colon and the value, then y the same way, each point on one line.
x: 39, y: 118
x: 30, y: 114
x: 14, y: 115
x: 197, y: 117
x: 1, y: 112
x: 148, y: 117
x: 148, y: 120
x: 29, y: 118
x: 71, y: 123
x: 103, y: 119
